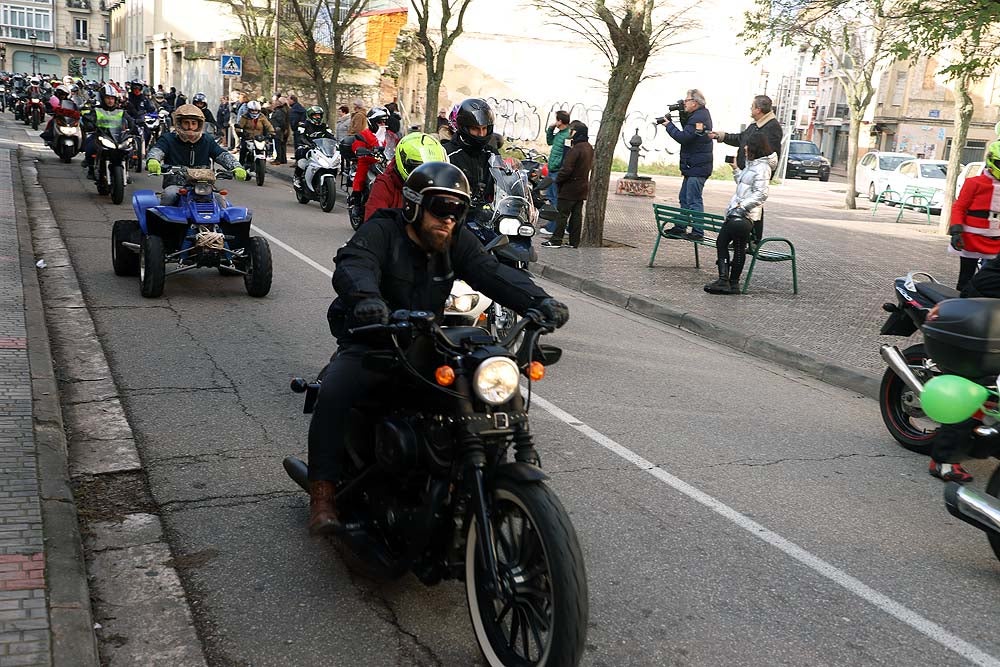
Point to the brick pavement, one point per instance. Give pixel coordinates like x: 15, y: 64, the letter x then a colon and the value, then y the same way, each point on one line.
x: 847, y: 261
x: 24, y: 616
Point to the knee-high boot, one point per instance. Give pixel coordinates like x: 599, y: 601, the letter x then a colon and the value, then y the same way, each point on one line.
x: 720, y: 286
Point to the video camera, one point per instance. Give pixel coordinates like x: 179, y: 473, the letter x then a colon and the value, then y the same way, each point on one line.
x: 676, y: 106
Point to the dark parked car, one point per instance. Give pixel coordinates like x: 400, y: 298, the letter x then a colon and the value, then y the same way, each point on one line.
x: 805, y: 161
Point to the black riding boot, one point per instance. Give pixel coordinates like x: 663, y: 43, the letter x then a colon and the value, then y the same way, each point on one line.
x: 720, y: 286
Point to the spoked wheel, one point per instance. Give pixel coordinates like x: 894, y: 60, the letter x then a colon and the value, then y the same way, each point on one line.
x: 328, y: 195
x: 258, y: 277
x: 501, y: 319
x: 901, y: 410
x: 260, y: 168
x: 539, y: 617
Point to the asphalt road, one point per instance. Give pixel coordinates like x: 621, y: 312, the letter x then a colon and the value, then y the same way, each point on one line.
x: 731, y: 512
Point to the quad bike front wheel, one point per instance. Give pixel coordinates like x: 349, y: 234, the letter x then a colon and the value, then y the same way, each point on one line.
x: 258, y: 268
x: 152, y: 267
x: 125, y: 261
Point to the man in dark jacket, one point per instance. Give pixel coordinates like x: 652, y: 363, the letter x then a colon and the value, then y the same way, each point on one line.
x: 426, y: 246
x: 223, y: 116
x: 296, y: 113
x: 762, y: 112
x: 573, y: 181
x: 696, y: 154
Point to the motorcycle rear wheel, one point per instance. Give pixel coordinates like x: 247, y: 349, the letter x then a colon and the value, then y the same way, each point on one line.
x: 258, y: 277
x: 900, y: 409
x: 260, y: 168
x: 540, y: 616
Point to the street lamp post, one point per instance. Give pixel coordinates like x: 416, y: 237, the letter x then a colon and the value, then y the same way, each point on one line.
x: 3, y: 57
x: 32, y: 37
x: 101, y: 41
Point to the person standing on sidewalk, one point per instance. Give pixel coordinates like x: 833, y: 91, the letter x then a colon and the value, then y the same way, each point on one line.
x: 223, y: 116
x: 359, y: 118
x: 573, y: 180
x: 279, y: 119
x: 762, y: 112
x: 973, y: 218
x: 343, y: 125
x: 695, y: 158
x: 557, y: 136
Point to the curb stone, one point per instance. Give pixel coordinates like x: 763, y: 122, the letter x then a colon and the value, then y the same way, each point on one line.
x: 804, y: 361
x: 137, y: 595
x: 72, y: 624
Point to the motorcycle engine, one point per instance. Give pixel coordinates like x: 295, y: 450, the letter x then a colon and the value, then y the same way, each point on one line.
x: 397, y: 447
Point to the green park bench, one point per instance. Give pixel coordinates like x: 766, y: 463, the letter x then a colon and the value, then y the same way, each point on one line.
x: 913, y: 197
x: 666, y: 216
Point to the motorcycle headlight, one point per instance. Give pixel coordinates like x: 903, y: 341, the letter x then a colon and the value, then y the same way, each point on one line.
x: 496, y: 380
x: 126, y: 143
x: 67, y: 129
x: 107, y: 143
x: 525, y: 230
x: 463, y: 303
x: 35, y: 100
x: 509, y: 226
x: 259, y: 145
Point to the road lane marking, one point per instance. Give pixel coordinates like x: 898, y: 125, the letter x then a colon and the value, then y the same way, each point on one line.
x: 884, y: 603
x: 281, y: 244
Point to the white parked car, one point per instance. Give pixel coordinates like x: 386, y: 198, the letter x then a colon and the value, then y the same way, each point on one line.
x: 874, y: 169
x: 968, y: 171
x: 921, y: 174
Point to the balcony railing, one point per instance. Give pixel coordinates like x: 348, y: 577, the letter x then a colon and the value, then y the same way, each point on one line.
x: 88, y: 4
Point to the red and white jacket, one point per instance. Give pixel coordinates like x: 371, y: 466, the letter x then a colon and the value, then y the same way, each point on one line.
x: 977, y: 209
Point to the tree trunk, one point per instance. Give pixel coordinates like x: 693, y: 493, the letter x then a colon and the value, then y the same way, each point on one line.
x: 853, y: 135
x: 431, y: 102
x: 964, y: 107
x: 331, y: 91
x: 621, y: 86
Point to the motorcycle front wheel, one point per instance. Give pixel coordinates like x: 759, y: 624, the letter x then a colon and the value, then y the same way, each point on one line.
x: 901, y: 411
x: 328, y: 195
x: 539, y: 617
x: 117, y: 184
x: 500, y: 320
x: 260, y: 168
x: 34, y: 119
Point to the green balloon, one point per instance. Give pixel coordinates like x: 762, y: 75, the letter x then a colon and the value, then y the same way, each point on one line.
x: 949, y: 399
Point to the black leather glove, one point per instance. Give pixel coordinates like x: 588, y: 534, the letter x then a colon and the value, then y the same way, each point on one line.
x: 956, y: 237
x: 556, y: 312
x: 371, y: 311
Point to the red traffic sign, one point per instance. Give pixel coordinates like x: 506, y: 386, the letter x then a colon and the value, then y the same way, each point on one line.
x: 102, y: 60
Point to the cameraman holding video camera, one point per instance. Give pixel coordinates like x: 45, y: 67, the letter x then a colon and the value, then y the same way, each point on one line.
x: 696, y: 153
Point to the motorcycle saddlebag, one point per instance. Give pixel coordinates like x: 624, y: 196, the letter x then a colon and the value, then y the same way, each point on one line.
x: 964, y: 339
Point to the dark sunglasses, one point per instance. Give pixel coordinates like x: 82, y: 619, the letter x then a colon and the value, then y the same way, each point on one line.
x: 442, y: 208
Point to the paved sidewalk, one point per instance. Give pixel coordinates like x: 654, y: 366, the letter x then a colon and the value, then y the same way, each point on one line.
x: 847, y: 261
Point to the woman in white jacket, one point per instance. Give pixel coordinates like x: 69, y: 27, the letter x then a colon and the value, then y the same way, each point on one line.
x: 743, y: 210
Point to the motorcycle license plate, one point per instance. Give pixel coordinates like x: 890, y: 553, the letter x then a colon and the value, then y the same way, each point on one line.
x: 812, y: 171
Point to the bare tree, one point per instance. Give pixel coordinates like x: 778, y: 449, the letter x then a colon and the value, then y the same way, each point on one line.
x: 627, y: 34
x: 320, y: 41
x: 257, y: 19
x: 436, y: 47
x: 855, y: 36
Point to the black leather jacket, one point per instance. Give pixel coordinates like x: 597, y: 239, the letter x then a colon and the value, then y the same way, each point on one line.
x: 475, y: 164
x: 381, y: 260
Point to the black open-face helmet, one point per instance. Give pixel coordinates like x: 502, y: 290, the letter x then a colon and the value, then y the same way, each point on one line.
x: 425, y: 185
x: 474, y: 112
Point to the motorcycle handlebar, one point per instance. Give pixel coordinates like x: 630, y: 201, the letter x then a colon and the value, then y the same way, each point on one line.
x: 403, y: 320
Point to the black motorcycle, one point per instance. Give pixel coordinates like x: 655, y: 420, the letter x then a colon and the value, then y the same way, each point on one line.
x: 428, y: 486
x: 356, y: 211
x: 114, y: 149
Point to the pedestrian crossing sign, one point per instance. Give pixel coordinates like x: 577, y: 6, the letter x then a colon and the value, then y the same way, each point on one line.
x: 232, y: 65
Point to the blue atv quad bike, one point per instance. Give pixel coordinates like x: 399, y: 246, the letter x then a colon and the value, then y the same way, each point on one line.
x: 202, y: 230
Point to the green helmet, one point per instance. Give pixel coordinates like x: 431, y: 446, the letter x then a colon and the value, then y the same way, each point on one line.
x: 415, y: 149
x: 315, y: 114
x: 993, y: 159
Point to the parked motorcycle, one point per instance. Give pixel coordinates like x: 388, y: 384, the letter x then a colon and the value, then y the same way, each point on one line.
x: 319, y: 182
x: 428, y: 487
x: 67, y: 137
x: 356, y: 212
x: 114, y: 149
x: 202, y: 230
x: 961, y: 338
x: 255, y: 151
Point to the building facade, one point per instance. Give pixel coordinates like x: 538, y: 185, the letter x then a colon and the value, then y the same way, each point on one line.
x: 53, y: 36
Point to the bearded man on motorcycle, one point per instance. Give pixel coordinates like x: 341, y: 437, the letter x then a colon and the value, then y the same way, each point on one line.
x: 470, y: 148
x: 187, y: 146
x: 412, y: 151
x: 306, y: 132
x: 106, y: 116
x: 427, y: 246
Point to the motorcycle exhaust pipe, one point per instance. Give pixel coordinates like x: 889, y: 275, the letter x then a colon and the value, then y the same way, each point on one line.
x: 894, y: 358
x: 973, y: 507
